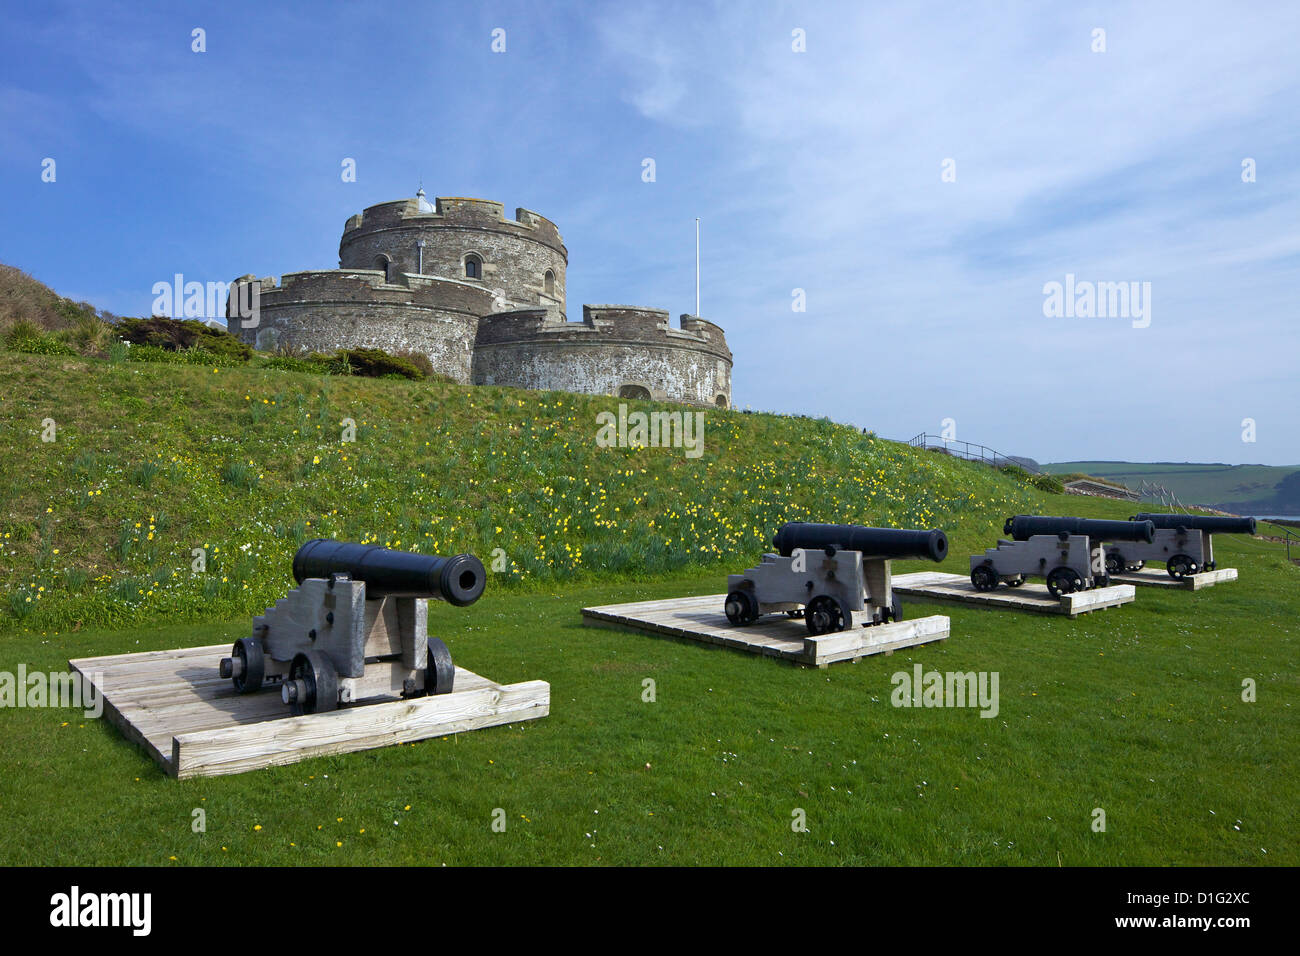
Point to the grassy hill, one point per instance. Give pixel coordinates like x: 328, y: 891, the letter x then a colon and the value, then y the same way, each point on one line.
x: 1137, y: 711
x: 150, y: 462
x: 1246, y: 489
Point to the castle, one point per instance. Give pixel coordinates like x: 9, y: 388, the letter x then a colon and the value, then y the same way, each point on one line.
x: 483, y: 297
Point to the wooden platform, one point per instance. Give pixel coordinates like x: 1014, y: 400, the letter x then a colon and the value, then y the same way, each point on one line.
x: 1030, y: 596
x: 1159, y: 578
x: 702, y: 619
x: 190, y: 720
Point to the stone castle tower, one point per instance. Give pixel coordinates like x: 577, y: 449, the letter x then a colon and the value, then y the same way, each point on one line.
x: 483, y: 297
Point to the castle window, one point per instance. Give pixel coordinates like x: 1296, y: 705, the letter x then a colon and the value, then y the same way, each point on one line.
x: 548, y: 282
x: 473, y: 267
x: 639, y: 392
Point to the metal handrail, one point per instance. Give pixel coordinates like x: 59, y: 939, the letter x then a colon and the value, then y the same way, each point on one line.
x: 1289, y: 534
x: 982, y: 453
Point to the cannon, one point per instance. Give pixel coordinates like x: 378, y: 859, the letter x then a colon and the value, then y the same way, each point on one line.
x: 1185, y: 543
x: 1067, y: 552
x: 825, y: 572
x: 355, y: 628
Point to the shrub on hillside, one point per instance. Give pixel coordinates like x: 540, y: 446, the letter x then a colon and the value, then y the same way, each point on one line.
x: 1049, y: 483
x: 26, y: 336
x: 177, y: 335
x: 376, y: 363
x: 419, y: 360
x: 90, y: 335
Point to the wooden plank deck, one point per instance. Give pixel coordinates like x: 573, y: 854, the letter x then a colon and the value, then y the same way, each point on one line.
x: 702, y: 619
x: 191, y: 721
x: 1159, y: 578
x: 1031, y: 596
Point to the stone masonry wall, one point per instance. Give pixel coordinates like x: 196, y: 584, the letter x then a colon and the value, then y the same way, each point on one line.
x: 614, y: 347
x: 325, y: 311
x: 516, y: 254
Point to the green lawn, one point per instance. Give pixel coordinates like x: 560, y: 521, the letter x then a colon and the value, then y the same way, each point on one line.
x: 1137, y: 711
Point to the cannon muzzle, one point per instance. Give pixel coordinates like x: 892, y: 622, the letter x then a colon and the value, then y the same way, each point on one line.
x: 458, y: 580
x: 872, y: 542
x: 1215, y: 524
x: 1024, y: 527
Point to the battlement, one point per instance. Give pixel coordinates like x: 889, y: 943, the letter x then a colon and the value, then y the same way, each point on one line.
x: 461, y: 211
x: 372, y: 286
x: 608, y: 323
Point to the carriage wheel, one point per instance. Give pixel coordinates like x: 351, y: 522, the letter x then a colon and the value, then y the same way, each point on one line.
x: 741, y: 608
x: 825, y: 614
x: 248, y: 668
x: 312, y: 686
x: 440, y: 672
x: 1064, y: 581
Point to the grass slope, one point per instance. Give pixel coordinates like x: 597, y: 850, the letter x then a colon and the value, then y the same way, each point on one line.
x: 1137, y: 711
x: 153, y: 461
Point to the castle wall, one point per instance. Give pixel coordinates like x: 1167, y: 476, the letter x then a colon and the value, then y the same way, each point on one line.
x: 612, y: 349
x: 329, y: 310
x: 502, y: 329
x: 516, y: 254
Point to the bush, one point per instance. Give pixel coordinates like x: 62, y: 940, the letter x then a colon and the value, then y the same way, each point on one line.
x: 1048, y: 483
x: 376, y: 363
x: 90, y: 335
x: 26, y: 336
x: 420, y: 361
x: 180, y: 335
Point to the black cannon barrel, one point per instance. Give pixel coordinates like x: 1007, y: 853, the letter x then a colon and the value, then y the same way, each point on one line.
x: 1023, y: 527
x: 872, y: 542
x: 458, y: 580
x: 1215, y: 524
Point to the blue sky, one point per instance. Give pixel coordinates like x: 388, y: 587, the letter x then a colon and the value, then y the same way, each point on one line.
x: 817, y: 170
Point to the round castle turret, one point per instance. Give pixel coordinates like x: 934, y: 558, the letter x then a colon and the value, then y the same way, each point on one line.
x: 483, y: 297
x: 521, y: 261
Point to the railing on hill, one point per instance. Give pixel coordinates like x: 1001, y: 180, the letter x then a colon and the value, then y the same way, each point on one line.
x: 970, y: 452
x: 1289, y: 535
x: 1158, y: 492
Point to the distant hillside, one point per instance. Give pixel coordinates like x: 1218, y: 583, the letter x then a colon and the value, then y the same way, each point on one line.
x: 22, y: 297
x: 1255, y: 489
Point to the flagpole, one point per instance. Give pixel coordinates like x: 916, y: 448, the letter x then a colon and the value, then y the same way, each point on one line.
x: 697, y: 267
